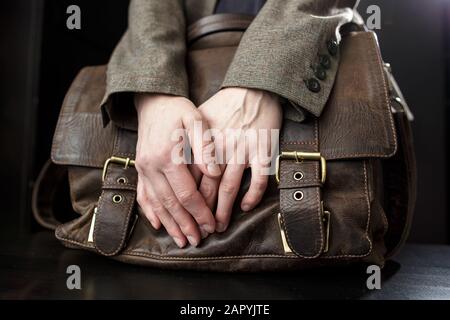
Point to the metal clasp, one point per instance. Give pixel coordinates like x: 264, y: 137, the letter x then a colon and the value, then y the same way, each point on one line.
x: 286, y: 248
x: 126, y: 162
x: 326, y: 220
x: 299, y: 157
x: 91, y: 228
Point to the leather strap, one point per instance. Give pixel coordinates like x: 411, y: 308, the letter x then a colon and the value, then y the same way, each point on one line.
x: 218, y: 23
x: 116, y: 203
x: 300, y: 190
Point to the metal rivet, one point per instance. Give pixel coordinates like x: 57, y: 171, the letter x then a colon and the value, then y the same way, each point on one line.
x: 298, y: 195
x: 298, y: 176
x: 122, y: 180
x: 117, y: 198
x: 388, y: 67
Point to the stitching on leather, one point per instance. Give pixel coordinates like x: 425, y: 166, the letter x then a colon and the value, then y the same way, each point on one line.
x: 127, y: 218
x: 117, y: 142
x: 366, y: 192
x: 373, y: 50
x: 100, y: 205
x: 67, y: 110
x: 298, y: 142
x: 306, y: 180
x: 316, y: 190
x: 362, y: 155
x: 316, y: 134
x: 110, y: 186
x: 67, y: 113
x: 289, y: 240
x: 80, y: 244
x: 161, y: 257
x: 96, y: 225
x: 126, y: 154
x: 118, y: 185
x: 385, y: 90
x: 124, y: 225
x: 316, y: 173
x: 133, y: 253
x: 299, y: 184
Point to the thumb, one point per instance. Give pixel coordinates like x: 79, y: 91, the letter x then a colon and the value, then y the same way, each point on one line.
x: 203, y: 146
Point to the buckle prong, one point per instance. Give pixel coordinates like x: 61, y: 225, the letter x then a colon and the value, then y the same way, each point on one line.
x: 126, y: 162
x: 299, y: 157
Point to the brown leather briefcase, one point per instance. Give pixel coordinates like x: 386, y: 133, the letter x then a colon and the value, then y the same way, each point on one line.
x: 344, y: 190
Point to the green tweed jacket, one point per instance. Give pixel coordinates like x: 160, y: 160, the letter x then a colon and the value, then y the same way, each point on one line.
x: 291, y: 49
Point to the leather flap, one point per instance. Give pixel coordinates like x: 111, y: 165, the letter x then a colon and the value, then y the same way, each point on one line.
x: 80, y: 138
x: 357, y: 121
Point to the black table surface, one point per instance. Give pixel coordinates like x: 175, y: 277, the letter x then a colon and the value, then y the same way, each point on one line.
x: 34, y: 267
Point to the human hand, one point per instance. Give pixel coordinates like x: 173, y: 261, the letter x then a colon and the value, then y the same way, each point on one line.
x: 167, y: 191
x: 256, y: 113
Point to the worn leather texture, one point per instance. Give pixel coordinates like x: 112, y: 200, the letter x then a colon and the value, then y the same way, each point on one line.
x: 369, y: 189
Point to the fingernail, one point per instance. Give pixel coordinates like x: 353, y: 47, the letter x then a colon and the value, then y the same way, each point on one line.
x: 154, y: 225
x: 245, y: 207
x: 208, y: 228
x: 204, y: 233
x: 220, y: 227
x: 179, y: 242
x: 192, y: 241
x: 214, y: 169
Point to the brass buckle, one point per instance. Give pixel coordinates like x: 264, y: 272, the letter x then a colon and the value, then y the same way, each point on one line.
x: 126, y: 162
x: 299, y: 157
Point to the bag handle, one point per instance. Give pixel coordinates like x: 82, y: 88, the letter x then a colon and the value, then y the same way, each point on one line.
x: 218, y: 23
x: 45, y: 188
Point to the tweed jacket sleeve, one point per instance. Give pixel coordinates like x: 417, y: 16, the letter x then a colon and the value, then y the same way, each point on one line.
x: 150, y: 57
x: 292, y: 49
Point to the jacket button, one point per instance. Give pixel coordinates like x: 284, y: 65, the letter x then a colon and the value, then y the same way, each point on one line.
x: 313, y: 85
x: 320, y: 73
x: 325, y: 61
x: 332, y: 46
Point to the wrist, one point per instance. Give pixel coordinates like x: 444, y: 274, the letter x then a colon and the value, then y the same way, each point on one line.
x: 147, y: 100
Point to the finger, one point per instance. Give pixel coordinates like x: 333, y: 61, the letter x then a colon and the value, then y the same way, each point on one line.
x: 183, y: 185
x: 209, y: 188
x: 228, y: 189
x: 171, y: 203
x: 258, y: 186
x: 166, y: 219
x: 142, y: 199
x: 196, y: 173
x: 203, y: 147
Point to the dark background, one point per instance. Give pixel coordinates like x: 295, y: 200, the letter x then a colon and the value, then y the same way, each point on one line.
x: 39, y: 57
